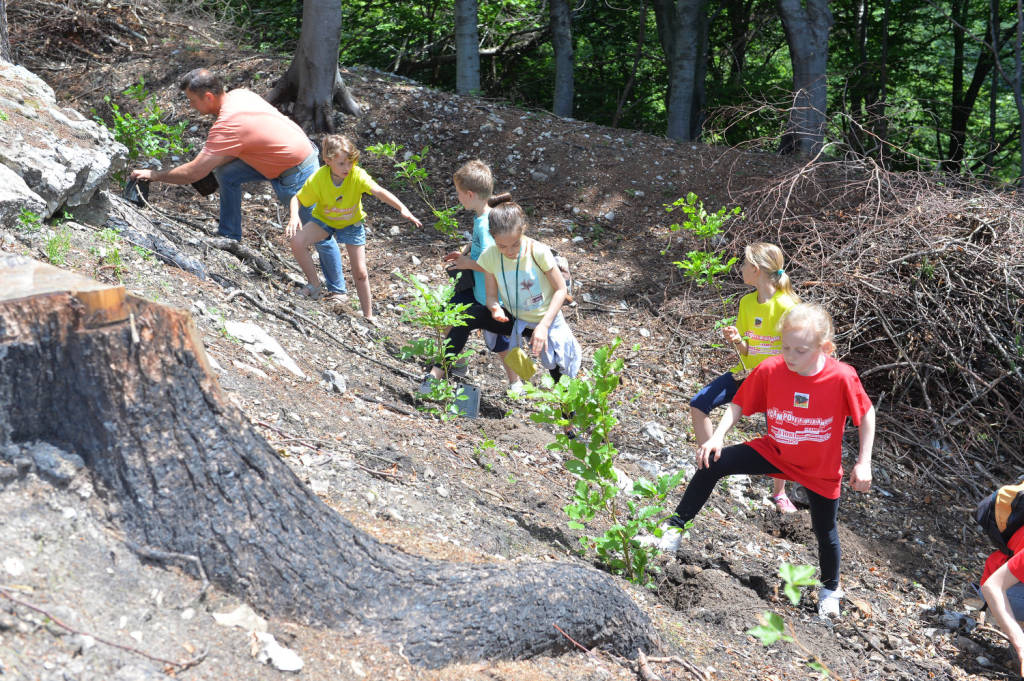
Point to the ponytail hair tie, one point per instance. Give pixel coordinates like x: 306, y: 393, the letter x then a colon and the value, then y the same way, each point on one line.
x: 779, y: 273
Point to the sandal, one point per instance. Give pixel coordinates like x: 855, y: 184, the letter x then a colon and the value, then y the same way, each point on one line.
x: 783, y: 503
x: 310, y: 292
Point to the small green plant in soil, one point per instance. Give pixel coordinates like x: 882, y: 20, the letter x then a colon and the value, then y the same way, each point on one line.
x: 110, y: 255
x: 431, y: 310
x: 599, y: 495
x: 58, y: 246
x: 412, y: 173
x: 705, y: 267
x: 29, y: 221
x: 773, y: 628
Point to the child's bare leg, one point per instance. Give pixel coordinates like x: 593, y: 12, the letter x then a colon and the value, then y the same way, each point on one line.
x: 357, y: 260
x: 778, y: 487
x: 304, y: 239
x: 509, y: 374
x: 702, y: 426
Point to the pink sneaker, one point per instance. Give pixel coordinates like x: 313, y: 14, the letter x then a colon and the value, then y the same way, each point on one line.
x: 783, y: 504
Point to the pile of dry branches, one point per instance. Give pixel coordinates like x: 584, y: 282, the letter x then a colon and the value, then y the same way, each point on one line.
x: 925, y: 280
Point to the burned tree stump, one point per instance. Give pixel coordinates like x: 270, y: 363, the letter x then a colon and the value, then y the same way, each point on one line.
x: 124, y: 383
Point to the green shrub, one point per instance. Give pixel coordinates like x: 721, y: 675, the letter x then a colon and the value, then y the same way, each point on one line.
x: 584, y: 403
x: 145, y: 134
x: 432, y: 311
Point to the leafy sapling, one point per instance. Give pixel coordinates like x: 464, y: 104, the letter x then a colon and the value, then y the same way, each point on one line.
x: 601, y: 490
x: 773, y: 628
x: 410, y: 170
x: 431, y: 310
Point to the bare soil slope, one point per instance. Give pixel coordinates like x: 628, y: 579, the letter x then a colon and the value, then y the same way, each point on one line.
x: 469, y: 490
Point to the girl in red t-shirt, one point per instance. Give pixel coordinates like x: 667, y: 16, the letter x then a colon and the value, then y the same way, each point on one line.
x: 806, y: 396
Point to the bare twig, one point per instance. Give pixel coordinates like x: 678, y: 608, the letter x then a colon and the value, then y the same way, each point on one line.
x: 180, y: 666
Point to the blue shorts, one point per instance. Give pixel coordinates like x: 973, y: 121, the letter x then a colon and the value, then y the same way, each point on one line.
x: 352, y: 235
x: 716, y: 393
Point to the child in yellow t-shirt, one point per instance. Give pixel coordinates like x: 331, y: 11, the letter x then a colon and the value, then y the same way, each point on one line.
x: 756, y: 337
x: 336, y: 193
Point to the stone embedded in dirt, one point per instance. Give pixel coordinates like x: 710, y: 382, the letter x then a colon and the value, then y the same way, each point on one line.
x: 267, y: 650
x: 260, y: 343
x: 242, y: 617
x: 53, y: 464
x: 333, y: 381
x: 654, y: 431
x: 14, y: 567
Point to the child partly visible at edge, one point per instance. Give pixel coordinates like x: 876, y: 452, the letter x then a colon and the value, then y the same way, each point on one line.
x: 806, y: 396
x: 337, y: 190
x: 755, y: 337
x: 532, y: 286
x: 474, y: 185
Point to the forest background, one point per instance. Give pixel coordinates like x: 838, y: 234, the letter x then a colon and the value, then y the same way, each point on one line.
x: 914, y: 84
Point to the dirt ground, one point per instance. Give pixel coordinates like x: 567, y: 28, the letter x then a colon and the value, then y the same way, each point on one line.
x: 484, y: 489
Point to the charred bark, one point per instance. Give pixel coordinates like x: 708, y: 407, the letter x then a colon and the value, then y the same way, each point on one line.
x: 126, y: 386
x: 313, y: 84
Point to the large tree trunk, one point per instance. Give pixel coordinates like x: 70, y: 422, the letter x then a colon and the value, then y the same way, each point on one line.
x: 124, y: 383
x: 807, y: 25
x: 1018, y: 76
x: 679, y: 23
x: 561, y: 42
x: 5, y: 38
x: 467, y: 47
x: 313, y: 83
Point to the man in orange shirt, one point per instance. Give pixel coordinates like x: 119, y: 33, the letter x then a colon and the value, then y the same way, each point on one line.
x: 250, y: 141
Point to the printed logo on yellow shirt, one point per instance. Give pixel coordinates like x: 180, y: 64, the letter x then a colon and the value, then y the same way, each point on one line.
x: 802, y: 400
x: 758, y: 321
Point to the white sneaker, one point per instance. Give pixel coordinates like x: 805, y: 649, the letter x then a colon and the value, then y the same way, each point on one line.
x: 828, y: 602
x: 516, y: 388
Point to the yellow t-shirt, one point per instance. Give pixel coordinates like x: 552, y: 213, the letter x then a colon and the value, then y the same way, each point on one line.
x: 337, y: 206
x: 522, y: 283
x: 758, y: 324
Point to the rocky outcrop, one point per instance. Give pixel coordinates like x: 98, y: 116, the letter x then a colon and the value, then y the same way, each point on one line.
x: 61, y: 157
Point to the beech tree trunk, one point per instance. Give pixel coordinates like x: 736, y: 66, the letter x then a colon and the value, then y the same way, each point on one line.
x: 1018, y: 76
x: 679, y: 24
x: 467, y: 47
x: 561, y: 42
x: 807, y: 25
x: 313, y: 84
x: 125, y: 384
x: 5, y: 38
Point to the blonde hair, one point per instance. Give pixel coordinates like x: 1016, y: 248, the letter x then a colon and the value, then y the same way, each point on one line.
x: 506, y: 217
x: 812, y: 317
x: 475, y: 176
x: 332, y: 145
x: 770, y: 258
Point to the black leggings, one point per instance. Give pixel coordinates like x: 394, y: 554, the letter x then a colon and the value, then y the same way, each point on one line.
x: 744, y: 459
x: 479, y: 318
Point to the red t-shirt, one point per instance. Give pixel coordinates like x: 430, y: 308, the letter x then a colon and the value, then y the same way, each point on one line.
x: 806, y: 416
x: 249, y: 128
x: 997, y: 558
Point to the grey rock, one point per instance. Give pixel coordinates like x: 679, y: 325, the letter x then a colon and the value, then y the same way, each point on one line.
x: 15, y: 196
x: 334, y: 381
x: 8, y: 473
x: 59, y: 154
x: 9, y: 452
x: 655, y: 432
x: 53, y: 464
